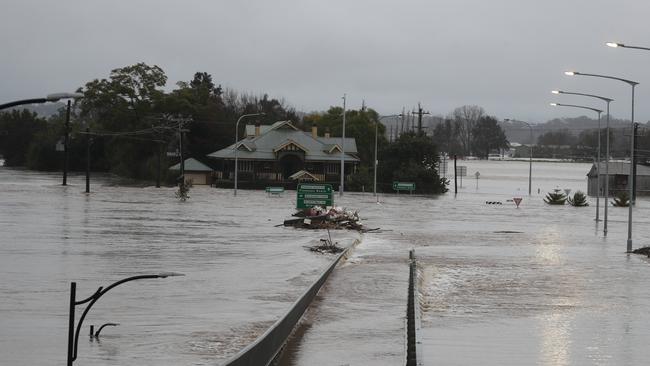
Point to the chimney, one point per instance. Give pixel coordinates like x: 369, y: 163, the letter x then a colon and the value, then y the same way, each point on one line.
x: 257, y: 129
x: 314, y: 131
x: 327, y: 133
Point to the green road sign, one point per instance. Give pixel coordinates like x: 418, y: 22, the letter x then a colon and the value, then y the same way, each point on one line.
x: 404, y: 186
x: 312, y: 194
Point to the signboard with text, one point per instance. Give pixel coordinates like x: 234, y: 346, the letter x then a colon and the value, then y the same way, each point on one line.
x: 314, y: 194
x: 403, y: 186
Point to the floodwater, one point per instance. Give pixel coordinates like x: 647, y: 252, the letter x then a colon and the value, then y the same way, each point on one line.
x: 500, y: 285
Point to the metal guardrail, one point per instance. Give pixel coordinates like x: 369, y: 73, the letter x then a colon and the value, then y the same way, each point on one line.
x: 412, y: 315
x: 267, y: 346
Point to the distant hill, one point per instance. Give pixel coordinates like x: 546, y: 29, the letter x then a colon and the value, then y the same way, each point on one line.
x: 519, y: 132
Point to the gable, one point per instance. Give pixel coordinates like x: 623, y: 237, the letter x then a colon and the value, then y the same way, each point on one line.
x: 290, y: 145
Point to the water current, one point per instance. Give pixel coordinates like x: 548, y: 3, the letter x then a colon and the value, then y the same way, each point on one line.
x: 500, y: 285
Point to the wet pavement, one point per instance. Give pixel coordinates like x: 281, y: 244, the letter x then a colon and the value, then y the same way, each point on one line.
x: 536, y: 285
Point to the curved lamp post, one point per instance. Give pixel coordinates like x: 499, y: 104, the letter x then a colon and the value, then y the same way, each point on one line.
x: 633, y: 84
x: 621, y: 45
x: 599, y: 111
x: 530, y: 158
x: 607, y: 100
x: 49, y: 98
x: 73, y: 335
x: 236, y: 147
x: 53, y: 98
x: 376, y: 162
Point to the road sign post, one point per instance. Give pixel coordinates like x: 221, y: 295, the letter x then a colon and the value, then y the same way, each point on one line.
x: 404, y: 186
x: 461, y: 171
x: 313, y: 194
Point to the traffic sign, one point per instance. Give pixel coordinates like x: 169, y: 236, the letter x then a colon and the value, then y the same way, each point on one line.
x: 404, y: 186
x: 312, y: 194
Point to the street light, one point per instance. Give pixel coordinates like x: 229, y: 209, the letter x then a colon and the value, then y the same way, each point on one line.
x: 237, y: 140
x: 376, y: 162
x: 599, y: 111
x: 607, y: 100
x: 49, y: 98
x: 633, y: 84
x: 53, y: 98
x: 530, y: 158
x: 73, y: 335
x: 621, y: 45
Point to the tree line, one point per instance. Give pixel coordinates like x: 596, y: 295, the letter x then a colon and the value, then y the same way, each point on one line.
x: 469, y: 131
x: 133, y: 122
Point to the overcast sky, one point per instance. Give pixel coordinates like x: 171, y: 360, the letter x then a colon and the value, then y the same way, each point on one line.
x: 504, y: 55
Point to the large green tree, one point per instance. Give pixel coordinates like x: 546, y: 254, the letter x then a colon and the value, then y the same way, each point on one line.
x: 359, y: 124
x: 412, y: 158
x: 487, y: 135
x: 17, y: 129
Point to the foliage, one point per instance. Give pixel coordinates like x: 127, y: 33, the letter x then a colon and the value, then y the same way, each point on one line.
x: 17, y: 129
x: 183, y: 192
x: 362, y: 180
x: 562, y: 137
x: 465, y: 119
x: 445, y: 136
x: 359, y: 124
x: 412, y: 158
x: 134, y: 122
x: 579, y: 199
x: 622, y: 199
x: 486, y: 136
x: 557, y: 197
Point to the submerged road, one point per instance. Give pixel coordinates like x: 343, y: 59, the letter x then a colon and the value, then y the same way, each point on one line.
x: 499, y: 285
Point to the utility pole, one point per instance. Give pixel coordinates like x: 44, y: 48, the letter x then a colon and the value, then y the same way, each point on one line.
x: 181, y: 132
x: 420, y: 112
x: 160, y: 151
x: 403, y: 115
x: 342, y: 152
x: 65, y: 145
x: 636, y: 146
x: 455, y: 178
x: 88, y: 140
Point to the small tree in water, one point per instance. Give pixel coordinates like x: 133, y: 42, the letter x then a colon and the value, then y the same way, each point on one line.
x: 579, y: 200
x: 557, y: 197
x: 622, y: 199
x: 183, y: 192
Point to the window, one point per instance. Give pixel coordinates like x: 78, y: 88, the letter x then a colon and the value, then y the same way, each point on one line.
x: 332, y: 168
x: 245, y: 165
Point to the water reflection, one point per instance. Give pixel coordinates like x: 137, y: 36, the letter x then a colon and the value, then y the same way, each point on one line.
x: 500, y: 285
x: 555, y: 339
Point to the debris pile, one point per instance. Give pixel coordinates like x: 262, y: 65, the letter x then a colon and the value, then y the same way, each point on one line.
x: 327, y: 218
x: 643, y: 251
x: 326, y: 246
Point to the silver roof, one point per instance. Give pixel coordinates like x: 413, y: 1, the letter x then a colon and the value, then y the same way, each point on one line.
x: 192, y: 165
x: 280, y: 133
x: 619, y: 168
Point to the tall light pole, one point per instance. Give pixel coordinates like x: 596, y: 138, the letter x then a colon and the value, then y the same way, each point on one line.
x: 376, y: 161
x: 599, y: 111
x: 73, y: 335
x: 530, y: 158
x: 342, y: 152
x: 607, y: 100
x: 621, y: 45
x: 53, y: 98
x: 237, y: 140
x: 49, y: 98
x: 633, y: 84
